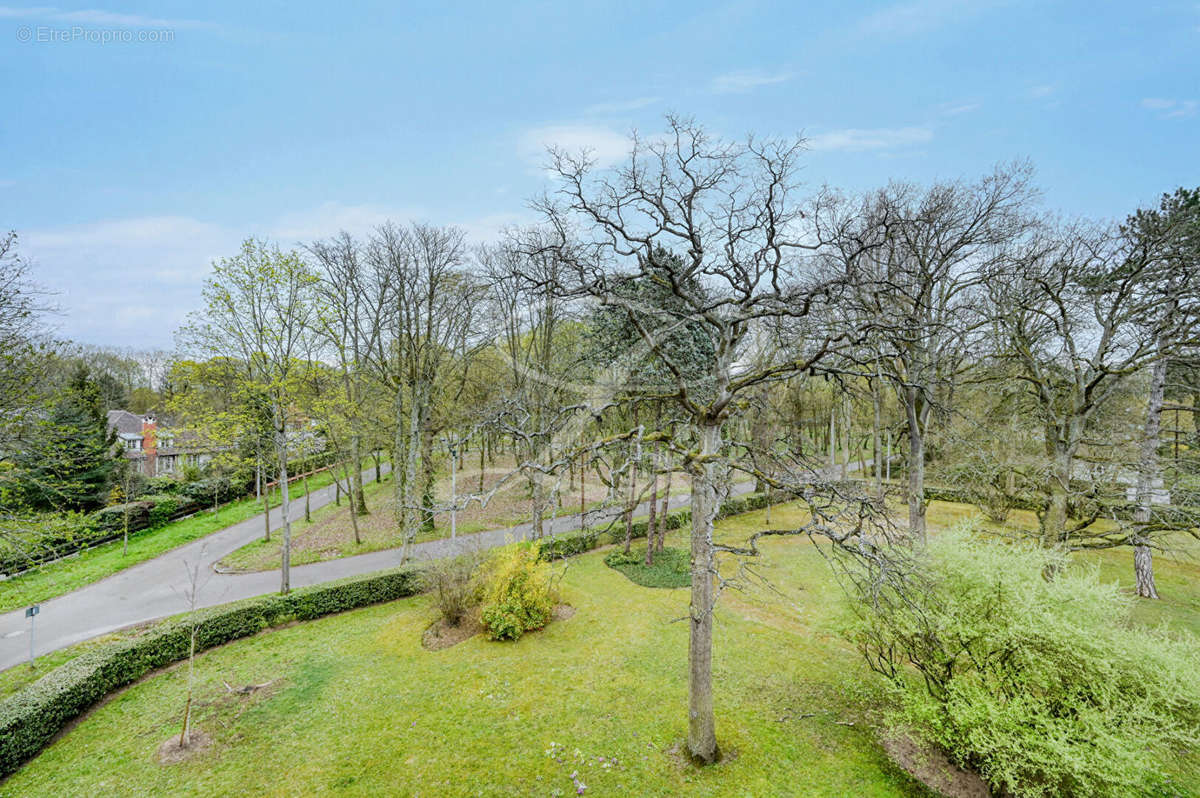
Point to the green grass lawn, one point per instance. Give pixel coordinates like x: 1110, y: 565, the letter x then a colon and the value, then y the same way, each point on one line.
x: 356, y: 706
x: 95, y: 564
x: 671, y: 568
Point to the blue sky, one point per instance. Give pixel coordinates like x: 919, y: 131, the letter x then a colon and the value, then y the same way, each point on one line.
x: 127, y: 166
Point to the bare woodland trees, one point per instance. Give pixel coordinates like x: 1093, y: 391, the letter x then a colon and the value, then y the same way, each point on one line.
x: 423, y: 304
x: 919, y: 258
x: 1082, y: 312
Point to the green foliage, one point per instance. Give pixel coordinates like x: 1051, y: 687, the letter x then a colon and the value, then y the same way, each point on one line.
x: 71, y: 461
x: 517, y: 592
x: 30, y: 719
x: 32, y: 538
x: 671, y: 567
x: 1044, y: 687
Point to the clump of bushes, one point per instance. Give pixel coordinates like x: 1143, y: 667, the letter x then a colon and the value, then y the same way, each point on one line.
x: 517, y: 591
x: 1045, y: 688
x: 453, y: 583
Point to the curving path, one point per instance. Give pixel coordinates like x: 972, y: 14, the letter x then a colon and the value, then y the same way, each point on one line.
x: 157, y: 588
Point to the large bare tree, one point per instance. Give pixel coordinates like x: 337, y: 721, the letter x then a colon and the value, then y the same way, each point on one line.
x: 919, y: 287
x: 730, y: 211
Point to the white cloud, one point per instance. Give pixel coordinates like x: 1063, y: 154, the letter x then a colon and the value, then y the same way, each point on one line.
x: 956, y: 110
x: 1043, y: 90
x: 1171, y: 109
x: 97, y: 17
x: 860, y: 139
x: 132, y: 282
x: 918, y: 16
x: 602, y: 144
x: 742, y: 81
x: 620, y: 107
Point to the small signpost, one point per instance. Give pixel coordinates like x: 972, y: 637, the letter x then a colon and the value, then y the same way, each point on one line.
x: 30, y: 613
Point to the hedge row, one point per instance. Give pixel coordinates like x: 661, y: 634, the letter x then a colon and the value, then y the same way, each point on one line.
x: 31, y: 718
x: 569, y: 545
x: 1178, y: 515
x: 30, y: 542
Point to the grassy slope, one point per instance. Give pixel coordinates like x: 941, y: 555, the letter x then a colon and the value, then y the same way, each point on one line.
x: 105, y: 560
x: 360, y: 708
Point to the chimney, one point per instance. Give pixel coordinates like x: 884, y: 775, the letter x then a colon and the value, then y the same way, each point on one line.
x: 150, y: 444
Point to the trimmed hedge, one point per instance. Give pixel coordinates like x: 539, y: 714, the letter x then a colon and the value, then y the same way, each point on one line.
x: 35, y: 540
x: 562, y: 546
x: 30, y: 719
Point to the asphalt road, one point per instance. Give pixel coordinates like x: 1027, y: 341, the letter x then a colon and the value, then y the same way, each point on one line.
x: 158, y: 588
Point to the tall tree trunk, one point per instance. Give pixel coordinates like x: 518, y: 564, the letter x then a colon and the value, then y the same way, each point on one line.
x: 378, y: 470
x: 428, y: 473
x: 286, y: 551
x: 651, y: 522
x: 307, y: 501
x: 702, y: 735
x: 266, y: 500
x: 1148, y: 474
x: 876, y: 442
x: 1055, y: 515
x: 832, y: 435
x: 630, y: 501
x: 662, y: 514
x: 538, y: 495
x: 916, y: 463
x: 357, y: 499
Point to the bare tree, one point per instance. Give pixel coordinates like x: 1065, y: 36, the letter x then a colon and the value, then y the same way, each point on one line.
x: 422, y: 303
x: 1073, y: 308
x: 919, y: 287
x: 729, y: 211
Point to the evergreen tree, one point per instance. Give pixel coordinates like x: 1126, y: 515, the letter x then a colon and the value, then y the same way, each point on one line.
x: 72, y: 460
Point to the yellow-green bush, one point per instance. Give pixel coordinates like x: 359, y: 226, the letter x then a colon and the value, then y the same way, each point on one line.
x: 517, y: 592
x: 1046, y: 688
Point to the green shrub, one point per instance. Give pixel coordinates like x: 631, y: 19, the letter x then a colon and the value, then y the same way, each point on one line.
x: 1046, y: 688
x: 517, y: 592
x: 30, y: 718
x: 162, y: 510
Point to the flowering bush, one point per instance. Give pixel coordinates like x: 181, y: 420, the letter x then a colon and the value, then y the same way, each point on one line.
x: 517, y: 593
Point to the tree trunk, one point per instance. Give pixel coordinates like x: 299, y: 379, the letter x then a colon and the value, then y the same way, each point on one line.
x: 651, y: 522
x: 1148, y: 474
x: 702, y: 736
x: 428, y: 474
x: 538, y: 494
x: 266, y: 500
x: 357, y: 499
x: 630, y: 500
x: 916, y: 462
x: 286, y: 551
x: 307, y: 501
x: 876, y: 442
x: 378, y: 470
x: 662, y: 514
